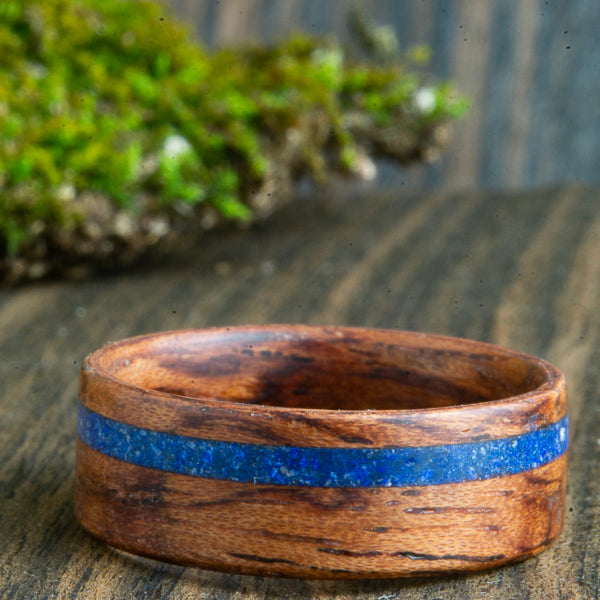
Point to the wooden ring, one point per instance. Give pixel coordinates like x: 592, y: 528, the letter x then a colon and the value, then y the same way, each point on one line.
x: 322, y: 452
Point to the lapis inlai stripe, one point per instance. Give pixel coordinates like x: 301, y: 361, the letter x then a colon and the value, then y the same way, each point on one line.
x: 323, y: 467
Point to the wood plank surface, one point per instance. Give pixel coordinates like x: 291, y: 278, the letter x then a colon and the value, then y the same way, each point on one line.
x: 521, y: 270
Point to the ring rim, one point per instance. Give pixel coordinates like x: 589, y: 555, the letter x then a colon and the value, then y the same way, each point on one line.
x: 554, y: 377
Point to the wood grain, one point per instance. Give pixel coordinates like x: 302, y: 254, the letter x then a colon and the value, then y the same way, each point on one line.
x: 516, y: 269
x: 319, y: 532
x: 261, y: 385
x: 327, y: 388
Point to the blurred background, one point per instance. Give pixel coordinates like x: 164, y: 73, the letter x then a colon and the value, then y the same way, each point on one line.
x: 119, y: 133
x: 531, y: 70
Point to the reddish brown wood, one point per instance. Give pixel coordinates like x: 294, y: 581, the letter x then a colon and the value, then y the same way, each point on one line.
x: 321, y: 387
x: 319, y: 532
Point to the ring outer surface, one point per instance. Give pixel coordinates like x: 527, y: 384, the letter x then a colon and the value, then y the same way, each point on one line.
x: 294, y: 519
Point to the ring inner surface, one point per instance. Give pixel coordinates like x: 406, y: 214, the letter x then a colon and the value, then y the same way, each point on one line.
x: 324, y: 370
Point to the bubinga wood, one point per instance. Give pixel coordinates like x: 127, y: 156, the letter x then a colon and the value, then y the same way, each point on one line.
x: 377, y: 453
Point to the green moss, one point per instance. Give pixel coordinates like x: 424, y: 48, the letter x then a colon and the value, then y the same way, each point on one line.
x: 117, y: 100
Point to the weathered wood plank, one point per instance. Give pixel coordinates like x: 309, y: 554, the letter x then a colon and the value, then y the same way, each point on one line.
x: 519, y: 270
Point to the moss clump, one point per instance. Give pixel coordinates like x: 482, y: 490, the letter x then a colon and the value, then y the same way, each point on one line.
x: 117, y: 129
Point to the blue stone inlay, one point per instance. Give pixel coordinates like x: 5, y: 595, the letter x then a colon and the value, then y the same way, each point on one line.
x: 323, y: 467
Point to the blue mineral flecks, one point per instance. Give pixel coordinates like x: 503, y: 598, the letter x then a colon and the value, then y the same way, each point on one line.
x: 323, y: 467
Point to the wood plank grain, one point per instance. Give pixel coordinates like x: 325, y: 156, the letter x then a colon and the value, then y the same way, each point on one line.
x: 532, y: 260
